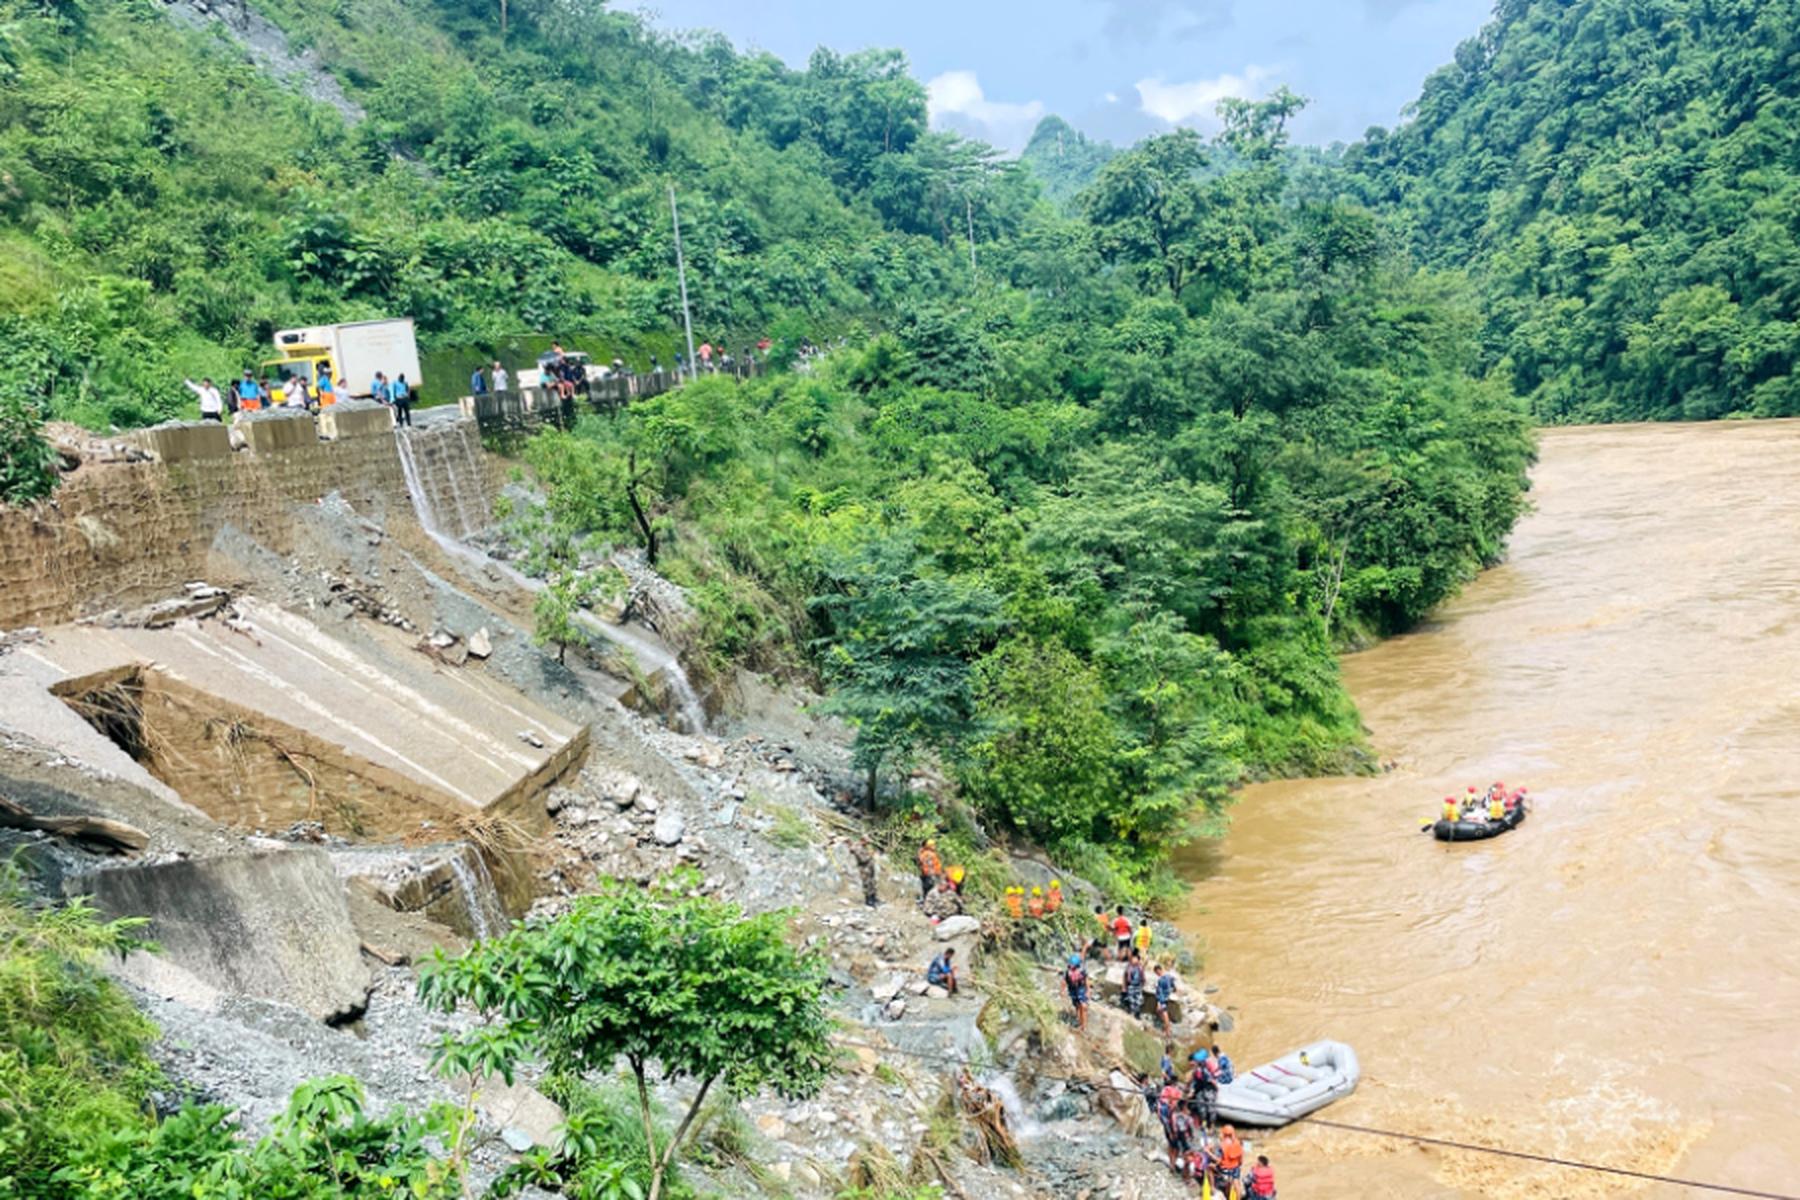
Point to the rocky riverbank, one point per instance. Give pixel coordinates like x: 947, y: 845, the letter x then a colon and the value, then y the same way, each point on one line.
x: 758, y: 808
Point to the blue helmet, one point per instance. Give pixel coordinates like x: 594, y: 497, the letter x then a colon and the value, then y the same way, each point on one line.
x: 1198, y: 1056
x: 1074, y: 960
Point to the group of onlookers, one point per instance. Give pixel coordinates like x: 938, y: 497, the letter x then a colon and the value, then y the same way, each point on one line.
x: 252, y: 394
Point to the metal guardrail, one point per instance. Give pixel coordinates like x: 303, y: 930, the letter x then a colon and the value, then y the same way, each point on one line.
x: 521, y: 410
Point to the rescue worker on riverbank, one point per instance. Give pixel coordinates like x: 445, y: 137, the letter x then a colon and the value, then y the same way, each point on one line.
x: 1121, y: 931
x: 930, y: 867
x: 1203, y: 1090
x: 1141, y: 943
x: 1165, y: 992
x: 1262, y: 1179
x: 942, y: 971
x: 864, y: 853
x: 1231, y: 1162
x: 1035, y: 906
x: 1222, y: 1063
x: 943, y: 902
x: 1131, y: 995
x: 955, y: 875
x: 1075, y: 982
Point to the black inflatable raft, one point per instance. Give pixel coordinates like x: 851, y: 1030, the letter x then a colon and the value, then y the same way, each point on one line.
x: 1475, y: 831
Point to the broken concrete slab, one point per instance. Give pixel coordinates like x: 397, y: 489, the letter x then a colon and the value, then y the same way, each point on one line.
x: 185, y: 442
x: 273, y: 925
x: 280, y: 430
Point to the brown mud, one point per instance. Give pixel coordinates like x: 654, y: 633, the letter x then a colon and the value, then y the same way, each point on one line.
x: 1619, y: 981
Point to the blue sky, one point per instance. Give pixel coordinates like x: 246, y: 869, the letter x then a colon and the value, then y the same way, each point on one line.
x: 1120, y: 69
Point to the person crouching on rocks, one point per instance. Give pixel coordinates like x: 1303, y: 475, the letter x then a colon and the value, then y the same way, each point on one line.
x: 943, y: 902
x: 942, y: 971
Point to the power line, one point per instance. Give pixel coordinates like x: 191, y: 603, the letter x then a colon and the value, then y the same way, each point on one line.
x: 1446, y: 1143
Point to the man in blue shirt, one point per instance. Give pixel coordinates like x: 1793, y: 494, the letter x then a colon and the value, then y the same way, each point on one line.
x: 1165, y: 989
x: 478, y: 383
x: 379, y: 390
x: 402, y: 402
x: 249, y: 396
x: 942, y: 971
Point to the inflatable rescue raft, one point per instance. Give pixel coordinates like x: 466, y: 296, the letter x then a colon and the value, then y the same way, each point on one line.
x: 1471, y: 829
x: 1290, y: 1088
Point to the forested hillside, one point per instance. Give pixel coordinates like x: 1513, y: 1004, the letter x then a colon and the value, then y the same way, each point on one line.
x: 1084, y: 519
x: 1623, y: 179
x: 1063, y: 159
x: 164, y: 205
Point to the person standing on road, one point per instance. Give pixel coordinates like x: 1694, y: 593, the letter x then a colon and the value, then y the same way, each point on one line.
x: 212, y: 405
x: 327, y: 386
x: 502, y: 381
x: 402, y: 396
x: 478, y: 383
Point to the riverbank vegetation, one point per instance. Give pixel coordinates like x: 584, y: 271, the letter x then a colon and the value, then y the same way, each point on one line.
x: 1621, y: 180
x: 694, y: 990
x: 1092, y: 532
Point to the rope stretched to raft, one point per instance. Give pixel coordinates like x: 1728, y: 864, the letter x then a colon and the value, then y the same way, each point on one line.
x: 1446, y: 1143
x: 1647, y: 1176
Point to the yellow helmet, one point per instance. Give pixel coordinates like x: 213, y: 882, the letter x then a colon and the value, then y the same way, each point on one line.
x: 1037, y: 891
x: 1056, y: 885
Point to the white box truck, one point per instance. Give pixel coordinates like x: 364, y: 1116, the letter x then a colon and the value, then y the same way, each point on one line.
x: 354, y: 352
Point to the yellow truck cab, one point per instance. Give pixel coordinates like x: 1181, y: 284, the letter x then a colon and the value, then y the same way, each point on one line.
x: 351, y: 352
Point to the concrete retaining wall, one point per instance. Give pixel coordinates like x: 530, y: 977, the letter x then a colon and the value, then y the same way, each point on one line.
x: 118, y: 535
x: 274, y: 925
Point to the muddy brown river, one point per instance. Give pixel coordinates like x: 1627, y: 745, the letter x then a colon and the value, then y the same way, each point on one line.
x: 1619, y: 980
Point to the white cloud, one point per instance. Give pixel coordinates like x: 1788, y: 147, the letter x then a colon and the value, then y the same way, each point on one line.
x: 957, y: 102
x: 1193, y: 102
x: 1112, y: 97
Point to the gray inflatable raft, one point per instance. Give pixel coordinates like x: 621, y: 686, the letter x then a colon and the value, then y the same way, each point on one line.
x: 1290, y: 1088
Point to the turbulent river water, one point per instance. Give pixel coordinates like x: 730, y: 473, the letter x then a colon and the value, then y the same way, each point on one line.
x: 1619, y: 980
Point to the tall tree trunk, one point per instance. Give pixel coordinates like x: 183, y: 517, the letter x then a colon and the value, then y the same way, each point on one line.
x: 637, y: 509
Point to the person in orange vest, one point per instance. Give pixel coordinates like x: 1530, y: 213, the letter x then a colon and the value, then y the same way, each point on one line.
x: 1015, y: 902
x: 1036, y: 906
x: 930, y: 867
x: 1231, y: 1162
x: 1053, y: 898
x: 1262, y: 1179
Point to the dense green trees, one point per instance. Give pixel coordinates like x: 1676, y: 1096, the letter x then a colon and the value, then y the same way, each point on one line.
x: 1622, y: 178
x: 1092, y: 534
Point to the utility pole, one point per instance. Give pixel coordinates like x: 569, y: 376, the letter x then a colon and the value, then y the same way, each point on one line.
x: 687, y: 319
x: 969, y: 208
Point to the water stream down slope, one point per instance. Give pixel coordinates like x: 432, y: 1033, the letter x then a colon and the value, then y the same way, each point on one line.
x: 653, y: 658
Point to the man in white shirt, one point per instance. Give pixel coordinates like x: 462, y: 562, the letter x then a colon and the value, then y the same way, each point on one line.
x: 294, y: 394
x: 212, y: 406
x: 502, y: 380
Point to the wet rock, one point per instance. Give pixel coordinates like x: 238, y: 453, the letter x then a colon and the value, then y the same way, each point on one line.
x: 670, y: 828
x: 887, y: 989
x: 952, y: 927
x: 480, y: 644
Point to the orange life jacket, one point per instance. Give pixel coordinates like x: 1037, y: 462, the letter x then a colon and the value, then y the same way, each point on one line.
x: 1262, y: 1181
x: 1053, y: 900
x: 1036, y: 906
x: 930, y: 863
x: 1014, y: 904
x: 1231, y: 1151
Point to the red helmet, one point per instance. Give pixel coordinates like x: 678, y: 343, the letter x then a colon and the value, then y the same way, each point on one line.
x: 1500, y: 785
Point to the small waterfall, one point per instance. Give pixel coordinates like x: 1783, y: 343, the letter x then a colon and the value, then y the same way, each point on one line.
x: 415, y: 488
x: 651, y: 657
x: 1017, y: 1115
x: 481, y: 899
